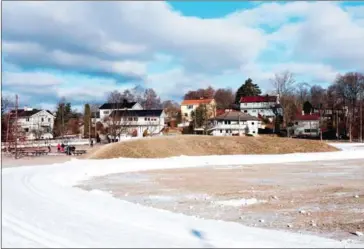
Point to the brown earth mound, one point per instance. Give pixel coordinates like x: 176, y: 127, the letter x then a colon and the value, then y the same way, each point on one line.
x: 159, y: 147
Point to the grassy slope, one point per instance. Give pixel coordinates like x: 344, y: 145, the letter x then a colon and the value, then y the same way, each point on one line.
x: 159, y: 147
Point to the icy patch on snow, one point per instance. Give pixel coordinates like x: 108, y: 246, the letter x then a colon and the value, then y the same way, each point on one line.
x: 239, y: 202
x: 162, y: 198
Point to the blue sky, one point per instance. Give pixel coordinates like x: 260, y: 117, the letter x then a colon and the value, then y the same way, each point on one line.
x: 83, y: 50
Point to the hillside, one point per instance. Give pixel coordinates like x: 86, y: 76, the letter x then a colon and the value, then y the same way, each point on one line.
x: 160, y: 147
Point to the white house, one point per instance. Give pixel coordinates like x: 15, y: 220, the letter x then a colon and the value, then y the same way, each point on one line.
x: 106, y: 109
x: 234, y: 123
x: 260, y: 106
x: 137, y: 122
x: 307, y: 125
x: 36, y: 124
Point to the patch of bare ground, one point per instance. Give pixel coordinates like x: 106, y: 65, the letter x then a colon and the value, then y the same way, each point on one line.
x: 322, y: 198
x: 160, y: 147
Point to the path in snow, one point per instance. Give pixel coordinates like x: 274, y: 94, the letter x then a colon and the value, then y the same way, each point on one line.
x: 41, y: 209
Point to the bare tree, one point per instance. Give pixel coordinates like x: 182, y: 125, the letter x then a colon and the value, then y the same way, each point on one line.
x: 302, y: 92
x: 318, y: 96
x: 151, y: 100
x: 284, y: 84
x: 349, y: 87
x: 224, y: 98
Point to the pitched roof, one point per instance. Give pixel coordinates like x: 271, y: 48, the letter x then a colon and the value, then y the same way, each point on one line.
x: 28, y: 113
x: 235, y: 116
x: 196, y: 101
x: 121, y: 105
x: 136, y: 113
x: 258, y: 99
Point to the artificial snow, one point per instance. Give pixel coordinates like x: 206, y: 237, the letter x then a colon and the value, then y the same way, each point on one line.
x: 41, y: 208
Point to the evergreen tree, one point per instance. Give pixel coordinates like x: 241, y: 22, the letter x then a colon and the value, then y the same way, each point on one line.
x: 86, y: 120
x: 63, y: 115
x: 307, y: 107
x: 247, y: 89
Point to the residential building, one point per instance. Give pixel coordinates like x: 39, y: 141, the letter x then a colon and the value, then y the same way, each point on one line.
x: 36, y: 124
x: 187, y: 106
x: 306, y: 125
x: 263, y: 106
x: 106, y: 109
x: 234, y: 123
x: 137, y: 122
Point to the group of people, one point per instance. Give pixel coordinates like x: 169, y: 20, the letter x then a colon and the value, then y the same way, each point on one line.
x: 65, y: 148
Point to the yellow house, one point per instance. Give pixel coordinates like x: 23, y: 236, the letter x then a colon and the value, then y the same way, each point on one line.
x: 187, y: 106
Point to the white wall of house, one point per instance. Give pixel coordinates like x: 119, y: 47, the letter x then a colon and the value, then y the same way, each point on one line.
x: 153, y: 124
x: 262, y: 108
x: 42, y: 120
x: 228, y: 128
x: 306, y: 127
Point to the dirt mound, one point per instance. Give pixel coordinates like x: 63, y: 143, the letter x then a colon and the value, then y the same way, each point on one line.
x: 159, y: 147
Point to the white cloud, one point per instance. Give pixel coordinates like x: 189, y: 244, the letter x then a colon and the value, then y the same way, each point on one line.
x: 30, y: 79
x: 315, y: 40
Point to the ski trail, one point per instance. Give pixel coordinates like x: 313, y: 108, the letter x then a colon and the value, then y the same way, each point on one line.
x: 41, y: 209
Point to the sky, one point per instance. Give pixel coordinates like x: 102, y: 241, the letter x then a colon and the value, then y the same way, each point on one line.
x: 83, y: 50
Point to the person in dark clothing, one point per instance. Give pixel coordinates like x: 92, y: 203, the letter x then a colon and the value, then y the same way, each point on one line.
x: 92, y: 143
x: 49, y: 148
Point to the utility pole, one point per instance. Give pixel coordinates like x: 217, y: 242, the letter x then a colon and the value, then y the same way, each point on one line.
x: 337, y: 124
x: 89, y: 130
x: 361, y: 118
x: 320, y: 122
x: 16, y: 126
x: 62, y: 121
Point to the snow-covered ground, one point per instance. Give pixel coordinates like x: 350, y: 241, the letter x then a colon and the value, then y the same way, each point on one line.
x: 41, y: 208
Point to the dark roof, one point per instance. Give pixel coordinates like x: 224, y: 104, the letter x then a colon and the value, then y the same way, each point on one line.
x: 258, y: 99
x: 235, y: 116
x: 121, y: 105
x: 136, y: 113
x: 24, y: 113
x: 308, y: 117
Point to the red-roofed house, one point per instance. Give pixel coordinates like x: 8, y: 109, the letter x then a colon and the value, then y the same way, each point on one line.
x: 187, y: 106
x: 259, y: 105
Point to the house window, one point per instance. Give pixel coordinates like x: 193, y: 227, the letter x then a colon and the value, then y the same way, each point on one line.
x: 145, y: 119
x: 186, y: 114
x: 245, y: 104
x: 26, y: 129
x: 227, y: 121
x: 245, y: 111
x: 49, y: 120
x: 135, y: 119
x: 27, y: 119
x: 190, y: 107
x: 254, y: 110
x: 42, y: 119
x: 253, y: 131
x: 252, y: 123
x: 220, y: 131
x: 106, y: 112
